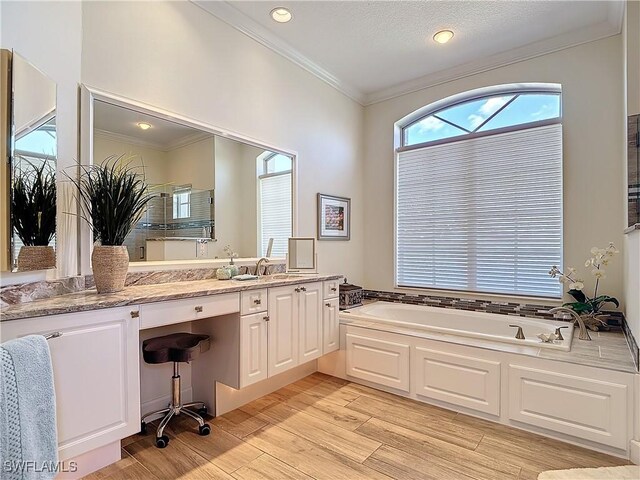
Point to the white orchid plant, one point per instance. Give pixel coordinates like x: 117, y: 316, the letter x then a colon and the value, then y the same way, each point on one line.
x: 600, y: 258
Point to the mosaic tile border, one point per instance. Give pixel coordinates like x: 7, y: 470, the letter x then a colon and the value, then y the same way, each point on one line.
x: 631, y: 341
x: 475, y: 305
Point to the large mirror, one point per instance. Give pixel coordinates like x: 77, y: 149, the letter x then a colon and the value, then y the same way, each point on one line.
x: 32, y: 167
x: 210, y: 190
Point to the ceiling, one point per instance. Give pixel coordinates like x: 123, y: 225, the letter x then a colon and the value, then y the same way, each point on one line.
x: 373, y: 50
x: 122, y: 123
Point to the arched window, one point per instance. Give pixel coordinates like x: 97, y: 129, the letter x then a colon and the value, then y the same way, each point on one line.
x: 479, y: 192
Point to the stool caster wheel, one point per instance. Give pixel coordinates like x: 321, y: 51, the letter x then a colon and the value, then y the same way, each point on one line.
x: 204, y: 430
x: 203, y: 411
x: 162, y: 442
x: 143, y: 428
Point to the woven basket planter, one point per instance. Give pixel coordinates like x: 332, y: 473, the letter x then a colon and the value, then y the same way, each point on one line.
x: 110, y: 265
x: 36, y: 258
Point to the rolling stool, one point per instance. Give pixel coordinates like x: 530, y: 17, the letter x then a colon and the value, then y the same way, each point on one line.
x: 176, y: 348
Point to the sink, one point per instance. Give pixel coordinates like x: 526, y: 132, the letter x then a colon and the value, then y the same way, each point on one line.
x: 283, y: 276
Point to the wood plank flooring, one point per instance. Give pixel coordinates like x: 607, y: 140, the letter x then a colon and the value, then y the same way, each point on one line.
x: 323, y: 427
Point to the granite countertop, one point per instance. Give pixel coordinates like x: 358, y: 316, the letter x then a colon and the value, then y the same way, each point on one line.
x: 608, y: 350
x: 139, y: 294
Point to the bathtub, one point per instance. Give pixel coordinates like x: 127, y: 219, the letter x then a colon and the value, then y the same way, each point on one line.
x: 486, y: 326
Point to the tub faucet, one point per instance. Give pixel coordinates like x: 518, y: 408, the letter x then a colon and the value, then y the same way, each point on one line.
x: 259, y: 265
x: 584, y: 334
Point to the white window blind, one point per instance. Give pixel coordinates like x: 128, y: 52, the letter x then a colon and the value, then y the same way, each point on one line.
x: 483, y: 214
x: 275, y: 213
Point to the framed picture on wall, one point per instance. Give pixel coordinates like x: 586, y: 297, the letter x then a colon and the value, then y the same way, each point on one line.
x: 334, y: 217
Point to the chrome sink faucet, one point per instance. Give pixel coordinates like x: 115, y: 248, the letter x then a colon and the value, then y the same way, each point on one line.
x: 259, y: 265
x: 584, y: 334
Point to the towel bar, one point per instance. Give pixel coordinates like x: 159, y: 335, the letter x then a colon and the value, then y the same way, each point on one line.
x: 51, y: 335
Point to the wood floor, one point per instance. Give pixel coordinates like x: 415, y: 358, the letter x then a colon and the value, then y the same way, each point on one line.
x: 326, y: 428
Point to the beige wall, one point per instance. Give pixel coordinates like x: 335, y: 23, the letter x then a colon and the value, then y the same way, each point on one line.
x: 592, y: 79
x: 192, y: 164
x: 154, y: 160
x: 631, y: 34
x: 236, y: 84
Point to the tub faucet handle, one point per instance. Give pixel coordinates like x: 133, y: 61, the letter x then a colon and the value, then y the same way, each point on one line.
x: 559, y: 333
x: 519, y: 333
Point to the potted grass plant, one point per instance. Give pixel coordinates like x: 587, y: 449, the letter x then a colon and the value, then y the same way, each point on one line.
x: 33, y: 215
x: 113, y: 197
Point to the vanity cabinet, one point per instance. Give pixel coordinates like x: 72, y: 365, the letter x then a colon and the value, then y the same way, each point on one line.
x: 295, y: 326
x: 96, y: 375
x: 310, y: 322
x: 330, y: 317
x: 254, y: 345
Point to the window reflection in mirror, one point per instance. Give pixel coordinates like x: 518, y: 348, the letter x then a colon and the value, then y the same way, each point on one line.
x: 33, y: 168
x: 184, y: 166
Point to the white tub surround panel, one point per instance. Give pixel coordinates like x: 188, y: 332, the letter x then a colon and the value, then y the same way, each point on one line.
x: 560, y: 397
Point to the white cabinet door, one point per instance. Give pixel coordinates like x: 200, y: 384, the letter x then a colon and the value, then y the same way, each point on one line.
x: 310, y: 322
x: 96, y: 375
x: 283, y: 329
x: 253, y: 348
x: 462, y: 380
x: 573, y: 405
x: 378, y: 357
x: 331, y: 326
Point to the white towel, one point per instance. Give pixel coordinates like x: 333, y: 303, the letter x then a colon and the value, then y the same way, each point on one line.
x: 28, y: 435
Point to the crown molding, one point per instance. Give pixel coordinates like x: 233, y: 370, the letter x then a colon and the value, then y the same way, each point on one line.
x: 227, y: 13
x: 120, y: 137
x: 183, y: 142
x: 238, y: 20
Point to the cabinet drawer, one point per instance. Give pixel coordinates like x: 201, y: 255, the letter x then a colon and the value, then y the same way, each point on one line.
x: 253, y: 301
x: 178, y: 311
x: 458, y: 379
x: 569, y: 404
x: 377, y: 357
x: 331, y: 288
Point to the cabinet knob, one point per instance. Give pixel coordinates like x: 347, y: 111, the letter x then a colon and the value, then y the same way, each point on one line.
x: 135, y: 313
x: 199, y: 308
x: 334, y: 289
x: 328, y: 305
x: 257, y: 301
x: 266, y: 318
x: 304, y: 289
x: 298, y: 290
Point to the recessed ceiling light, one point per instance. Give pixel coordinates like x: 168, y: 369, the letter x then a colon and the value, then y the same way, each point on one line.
x: 144, y: 125
x: 281, y: 14
x: 443, y: 36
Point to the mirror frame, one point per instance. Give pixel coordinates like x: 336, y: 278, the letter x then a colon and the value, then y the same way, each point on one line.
x: 310, y: 270
x: 88, y: 95
x: 5, y: 154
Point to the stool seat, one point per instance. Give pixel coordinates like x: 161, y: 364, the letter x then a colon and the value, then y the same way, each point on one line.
x: 176, y: 347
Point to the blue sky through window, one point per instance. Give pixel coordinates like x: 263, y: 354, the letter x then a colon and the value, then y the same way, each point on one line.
x: 525, y: 108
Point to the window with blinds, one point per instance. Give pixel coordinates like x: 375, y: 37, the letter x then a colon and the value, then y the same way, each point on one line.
x: 275, y: 212
x: 482, y: 213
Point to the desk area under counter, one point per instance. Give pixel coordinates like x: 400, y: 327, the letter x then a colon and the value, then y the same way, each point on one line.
x: 264, y: 333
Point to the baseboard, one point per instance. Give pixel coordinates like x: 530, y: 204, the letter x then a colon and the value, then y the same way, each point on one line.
x: 634, y: 451
x: 228, y: 398
x: 162, y: 402
x: 83, y: 465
